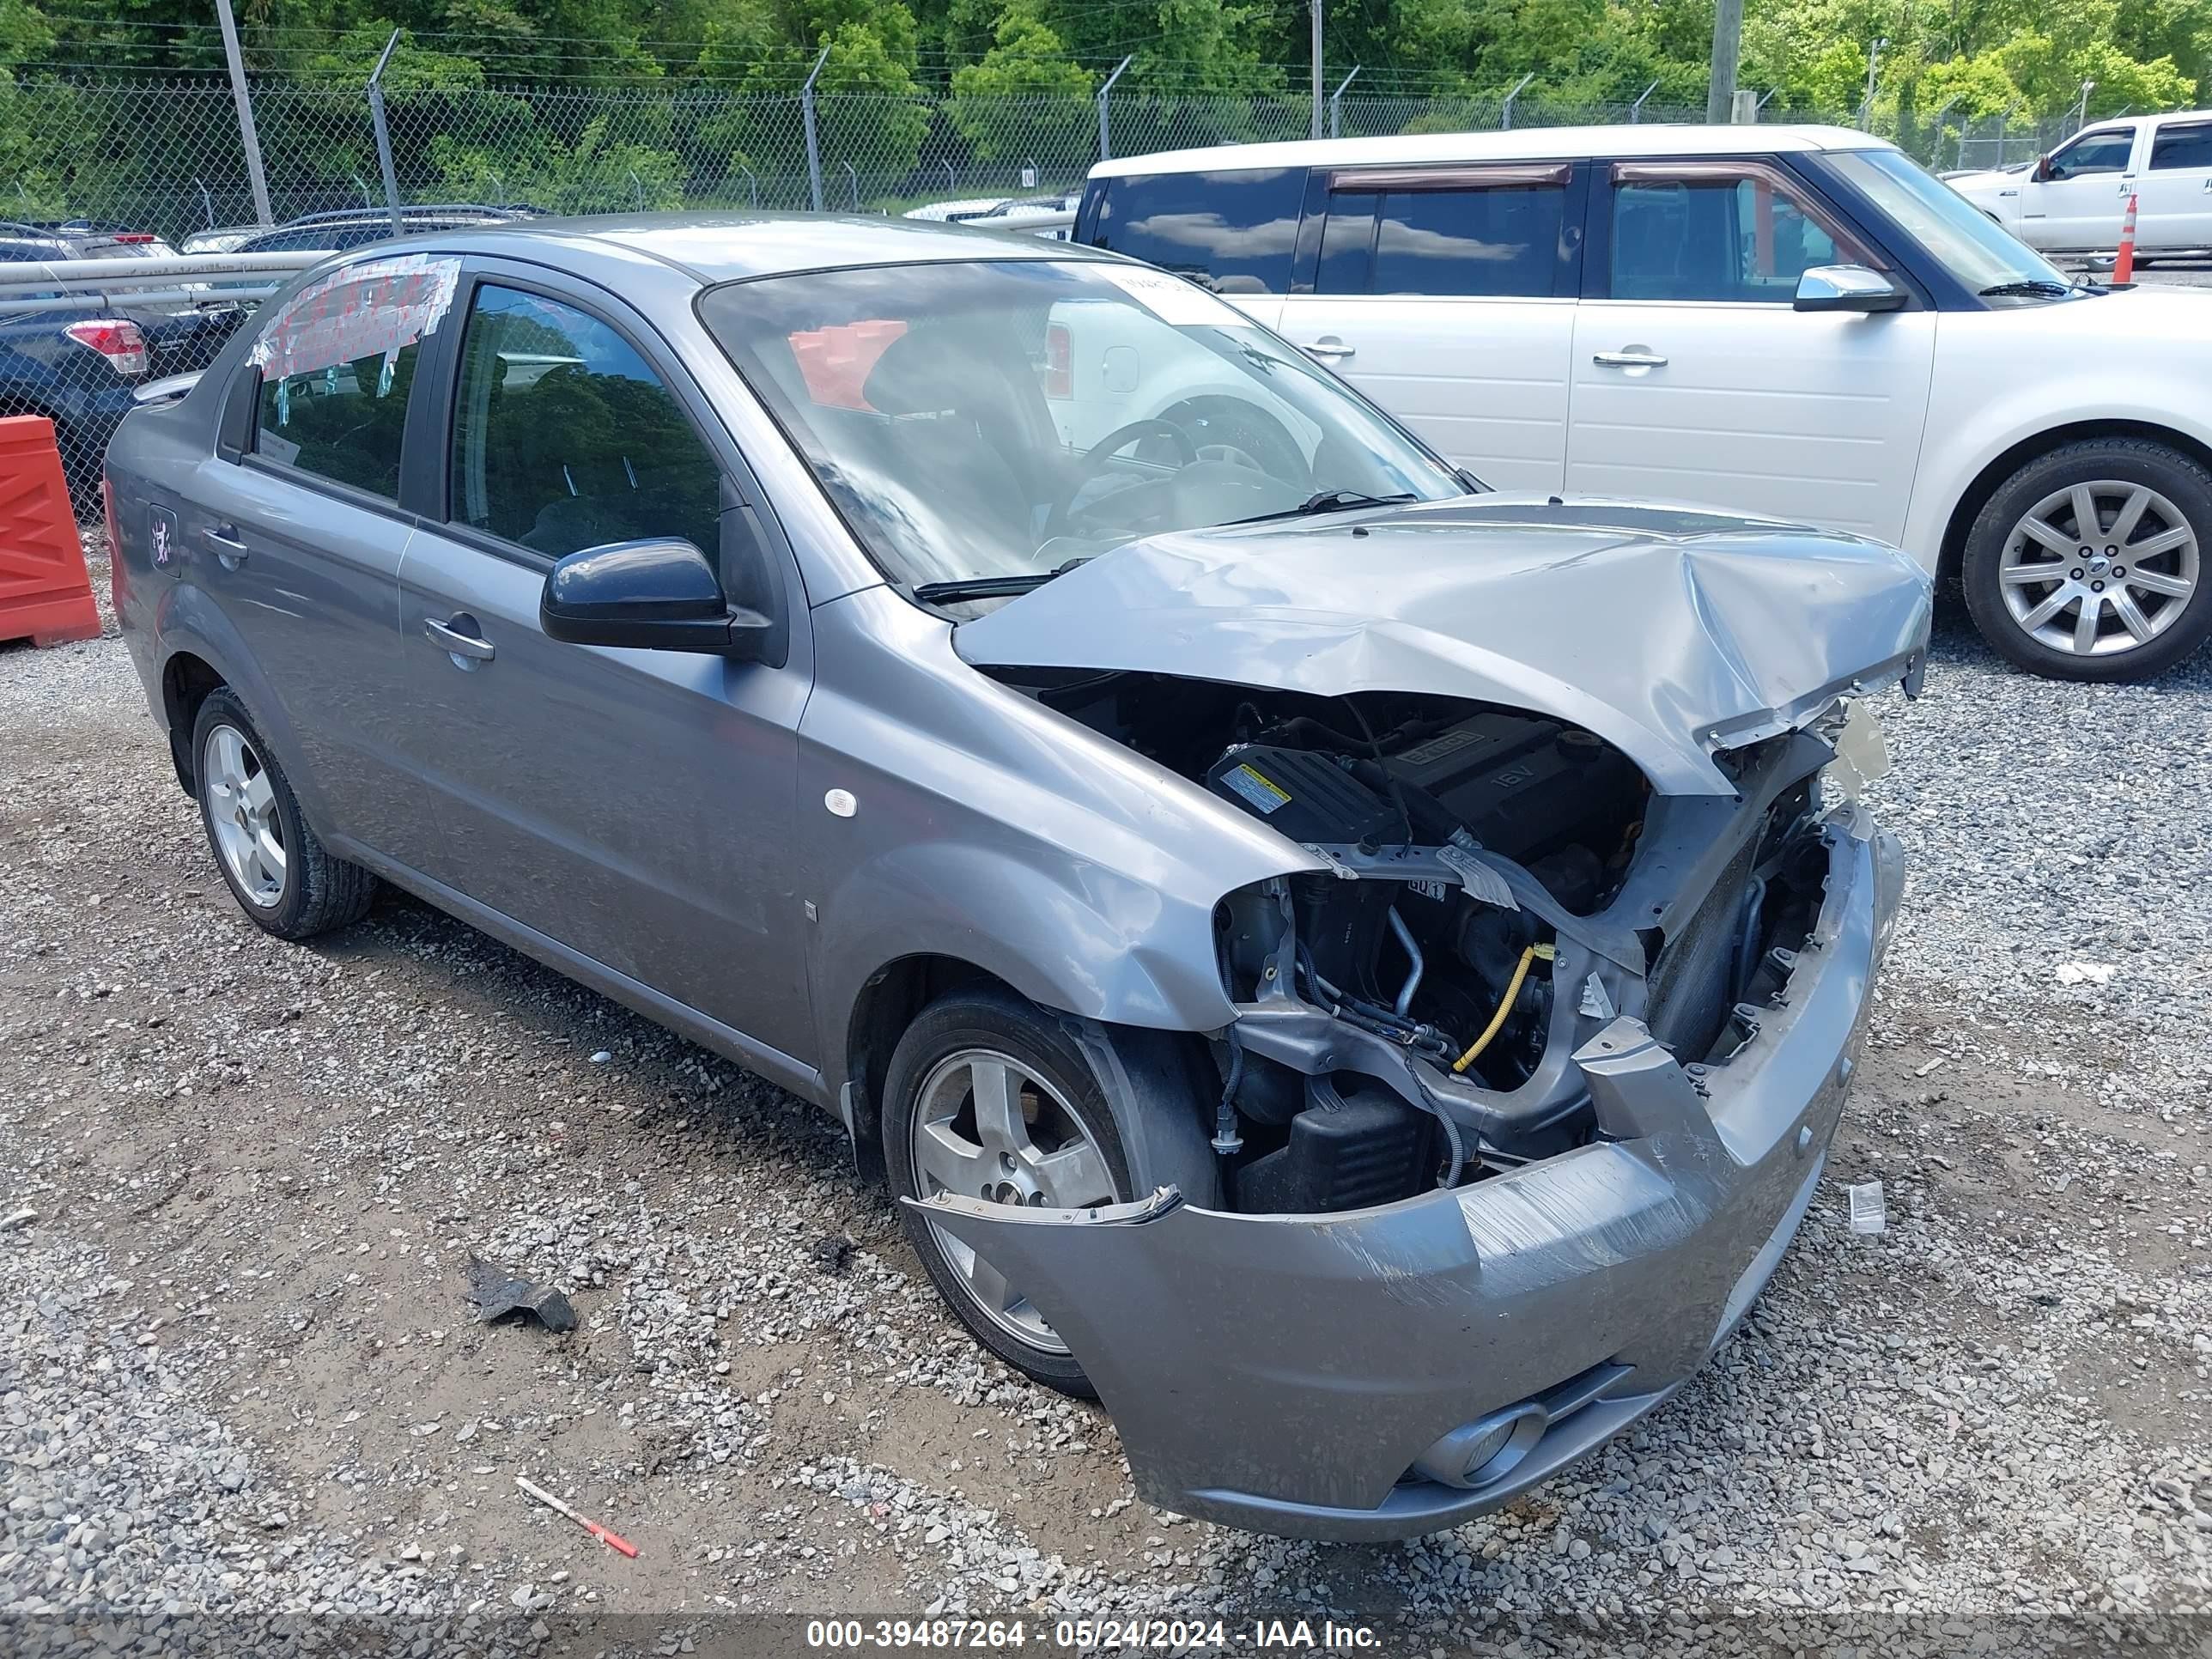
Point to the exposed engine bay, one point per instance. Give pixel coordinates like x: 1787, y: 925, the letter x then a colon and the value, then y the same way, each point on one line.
x: 1499, y: 885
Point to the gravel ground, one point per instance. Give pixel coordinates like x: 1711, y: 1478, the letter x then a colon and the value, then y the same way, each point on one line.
x: 239, y: 1382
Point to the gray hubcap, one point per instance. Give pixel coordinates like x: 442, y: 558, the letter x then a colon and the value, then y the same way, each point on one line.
x: 2096, y: 569
x: 989, y: 1128
x: 241, y: 805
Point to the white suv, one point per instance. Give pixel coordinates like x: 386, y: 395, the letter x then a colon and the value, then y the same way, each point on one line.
x: 1797, y: 322
x: 2072, y: 201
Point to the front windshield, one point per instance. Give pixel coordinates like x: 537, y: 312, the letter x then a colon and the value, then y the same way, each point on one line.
x: 1002, y: 419
x: 1982, y: 254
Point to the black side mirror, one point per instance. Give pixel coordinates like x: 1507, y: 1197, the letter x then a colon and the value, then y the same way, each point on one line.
x: 657, y: 595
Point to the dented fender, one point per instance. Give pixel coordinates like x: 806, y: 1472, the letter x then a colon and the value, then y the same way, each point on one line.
x: 1317, y: 1375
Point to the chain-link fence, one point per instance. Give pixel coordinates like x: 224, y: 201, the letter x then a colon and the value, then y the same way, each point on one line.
x: 167, y: 156
x: 92, y: 168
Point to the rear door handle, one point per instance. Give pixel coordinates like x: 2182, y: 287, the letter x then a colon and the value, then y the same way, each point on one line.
x: 1629, y: 360
x: 1329, y: 348
x: 229, y: 551
x: 461, y: 645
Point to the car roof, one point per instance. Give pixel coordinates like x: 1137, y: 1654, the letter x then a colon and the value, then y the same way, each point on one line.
x: 1528, y: 144
x: 371, y: 228
x: 722, y: 247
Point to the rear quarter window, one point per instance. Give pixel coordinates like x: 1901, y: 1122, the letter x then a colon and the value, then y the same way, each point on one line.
x: 1233, y: 231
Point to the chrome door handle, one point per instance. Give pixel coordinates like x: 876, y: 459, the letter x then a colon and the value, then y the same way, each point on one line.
x: 229, y: 549
x: 460, y: 644
x: 1328, y: 349
x: 1629, y: 360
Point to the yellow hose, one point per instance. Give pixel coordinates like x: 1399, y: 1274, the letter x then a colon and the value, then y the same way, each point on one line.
x: 1504, y: 1006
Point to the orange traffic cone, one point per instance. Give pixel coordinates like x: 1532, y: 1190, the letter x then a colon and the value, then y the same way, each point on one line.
x: 45, y: 594
x: 2124, y: 262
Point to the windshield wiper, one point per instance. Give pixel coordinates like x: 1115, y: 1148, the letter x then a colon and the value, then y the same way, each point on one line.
x: 991, y: 587
x: 2026, y: 286
x: 1330, y: 500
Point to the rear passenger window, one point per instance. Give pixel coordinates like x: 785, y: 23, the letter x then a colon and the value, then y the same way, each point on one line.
x: 1488, y: 241
x: 1716, y: 239
x: 2179, y: 147
x: 565, y: 438
x: 1232, y: 231
x: 338, y: 362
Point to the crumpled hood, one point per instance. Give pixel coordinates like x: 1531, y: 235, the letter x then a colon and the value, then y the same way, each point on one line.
x: 1668, y: 632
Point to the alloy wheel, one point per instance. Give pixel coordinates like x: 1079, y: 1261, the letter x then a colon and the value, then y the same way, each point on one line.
x: 241, y: 810
x: 987, y: 1127
x: 2100, y: 568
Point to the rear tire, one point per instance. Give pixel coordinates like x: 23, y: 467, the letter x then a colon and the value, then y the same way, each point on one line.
x: 2124, y: 599
x: 1054, y: 1141
x: 276, y: 869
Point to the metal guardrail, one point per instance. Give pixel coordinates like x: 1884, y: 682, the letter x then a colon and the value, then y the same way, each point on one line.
x: 178, y: 279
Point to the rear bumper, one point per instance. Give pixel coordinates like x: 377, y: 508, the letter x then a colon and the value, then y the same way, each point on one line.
x: 1287, y: 1373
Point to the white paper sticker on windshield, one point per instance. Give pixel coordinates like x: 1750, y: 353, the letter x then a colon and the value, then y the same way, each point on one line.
x: 1172, y: 300
x: 367, y: 310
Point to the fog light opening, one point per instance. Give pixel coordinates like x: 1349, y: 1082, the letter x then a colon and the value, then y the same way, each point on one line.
x: 1484, y: 1452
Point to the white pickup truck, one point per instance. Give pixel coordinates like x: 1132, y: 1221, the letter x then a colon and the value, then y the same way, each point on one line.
x: 2072, y: 201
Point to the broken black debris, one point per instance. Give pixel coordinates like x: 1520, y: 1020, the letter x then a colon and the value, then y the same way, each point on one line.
x: 833, y: 1254
x: 496, y: 1291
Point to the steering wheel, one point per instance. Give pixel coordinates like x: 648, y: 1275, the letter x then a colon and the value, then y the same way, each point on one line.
x: 1095, y: 459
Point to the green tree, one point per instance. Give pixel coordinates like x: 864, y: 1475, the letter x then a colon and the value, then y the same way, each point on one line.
x: 1024, y: 97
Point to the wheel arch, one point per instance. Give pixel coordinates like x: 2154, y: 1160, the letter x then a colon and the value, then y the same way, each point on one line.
x: 1992, y: 477
x: 187, y: 680
x: 1157, y: 1080
x: 189, y: 624
x: 885, y: 1006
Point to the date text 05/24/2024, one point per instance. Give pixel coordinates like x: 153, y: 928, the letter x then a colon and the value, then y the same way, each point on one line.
x: 1090, y: 1635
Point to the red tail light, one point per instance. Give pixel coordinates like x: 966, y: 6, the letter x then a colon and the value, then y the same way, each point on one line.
x: 134, y: 236
x: 120, y: 341
x: 1059, y: 361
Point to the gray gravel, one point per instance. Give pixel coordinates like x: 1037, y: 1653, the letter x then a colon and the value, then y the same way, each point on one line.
x: 238, y: 1377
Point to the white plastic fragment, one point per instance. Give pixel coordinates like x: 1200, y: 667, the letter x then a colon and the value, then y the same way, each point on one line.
x: 1596, y: 1004
x: 2086, y: 973
x: 1868, y: 1215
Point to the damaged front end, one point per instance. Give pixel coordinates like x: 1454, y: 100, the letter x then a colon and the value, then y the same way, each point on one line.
x: 1508, y: 1139
x: 1531, y: 1079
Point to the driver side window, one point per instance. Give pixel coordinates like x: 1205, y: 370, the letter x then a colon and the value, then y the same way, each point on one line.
x: 1709, y: 237
x: 565, y: 438
x: 2093, y: 152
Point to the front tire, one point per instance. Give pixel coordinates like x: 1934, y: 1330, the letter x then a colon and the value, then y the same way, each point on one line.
x: 2088, y: 562
x: 276, y: 869
x: 988, y: 1098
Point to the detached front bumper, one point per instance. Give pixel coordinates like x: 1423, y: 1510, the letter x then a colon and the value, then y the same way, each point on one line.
x: 1289, y: 1373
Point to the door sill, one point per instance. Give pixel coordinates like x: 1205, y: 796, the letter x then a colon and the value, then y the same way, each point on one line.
x: 684, y: 1020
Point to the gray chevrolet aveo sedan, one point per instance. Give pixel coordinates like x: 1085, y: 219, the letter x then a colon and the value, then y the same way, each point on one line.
x: 1358, y: 971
